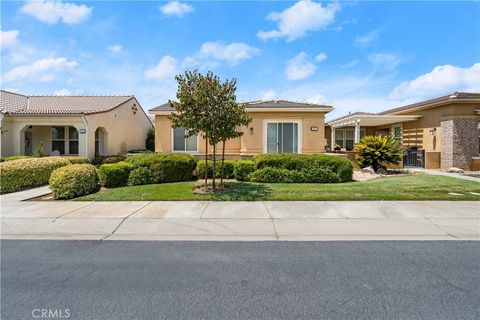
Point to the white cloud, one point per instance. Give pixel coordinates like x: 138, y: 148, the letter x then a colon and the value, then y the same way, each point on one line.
x: 367, y: 38
x: 440, y: 81
x: 269, y: 95
x: 115, y: 48
x: 299, y: 67
x: 321, y: 57
x: 296, y: 21
x: 386, y: 61
x: 212, y: 54
x: 8, y: 39
x: 53, y: 12
x: 175, y: 8
x: 42, y: 70
x: 350, y: 64
x: 165, y: 69
x: 62, y: 92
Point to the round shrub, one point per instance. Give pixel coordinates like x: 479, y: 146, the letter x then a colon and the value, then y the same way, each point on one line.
x: 73, y: 180
x: 272, y: 175
x: 22, y: 174
x: 166, y: 167
x: 139, y: 176
x: 114, y: 175
x: 77, y: 160
x: 315, y: 175
x: 228, y: 168
x: 345, y: 172
x: 242, y: 169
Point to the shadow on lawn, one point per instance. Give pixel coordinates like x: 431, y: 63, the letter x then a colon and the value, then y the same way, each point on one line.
x: 243, y: 192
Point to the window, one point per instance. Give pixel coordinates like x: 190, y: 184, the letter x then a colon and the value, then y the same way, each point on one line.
x: 345, y: 138
x: 72, y: 140
x: 58, y: 139
x: 183, y: 144
x: 282, y: 137
x: 97, y: 141
x: 397, y: 134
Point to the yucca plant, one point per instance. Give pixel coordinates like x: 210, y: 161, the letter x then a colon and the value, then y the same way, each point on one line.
x: 375, y: 151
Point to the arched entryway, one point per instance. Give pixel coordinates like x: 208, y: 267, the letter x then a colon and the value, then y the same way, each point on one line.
x: 101, y: 141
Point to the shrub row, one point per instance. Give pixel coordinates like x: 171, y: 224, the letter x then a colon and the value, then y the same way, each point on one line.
x: 228, y: 169
x: 280, y: 175
x: 28, y: 173
x: 3, y: 159
x: 73, y: 180
x: 306, y: 168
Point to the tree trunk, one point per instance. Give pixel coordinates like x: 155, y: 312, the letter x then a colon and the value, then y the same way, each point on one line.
x: 206, y: 162
x: 213, y: 165
x: 223, y: 163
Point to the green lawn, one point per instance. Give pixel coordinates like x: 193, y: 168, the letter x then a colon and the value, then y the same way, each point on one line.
x: 413, y: 187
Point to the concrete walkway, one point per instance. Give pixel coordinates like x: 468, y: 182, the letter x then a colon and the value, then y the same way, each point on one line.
x: 446, y: 174
x: 26, y: 194
x: 268, y: 220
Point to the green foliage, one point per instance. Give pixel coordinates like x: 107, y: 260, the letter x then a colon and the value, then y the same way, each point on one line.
x: 139, y: 176
x: 73, y: 180
x: 227, y: 170
x: 150, y: 142
x: 375, y: 151
x: 166, y: 167
x: 3, y: 159
x: 99, y: 160
x: 114, y: 175
x: 242, y: 169
x: 272, y: 175
x: 22, y: 174
x: 39, y: 151
x: 77, y: 160
x: 339, y: 165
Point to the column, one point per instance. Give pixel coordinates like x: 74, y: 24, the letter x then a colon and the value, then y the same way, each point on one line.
x: 357, y: 132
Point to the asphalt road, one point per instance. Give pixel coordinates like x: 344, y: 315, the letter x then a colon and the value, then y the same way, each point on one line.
x: 240, y: 280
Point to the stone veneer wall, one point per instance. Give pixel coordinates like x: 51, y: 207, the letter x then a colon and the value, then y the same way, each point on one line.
x: 459, y: 143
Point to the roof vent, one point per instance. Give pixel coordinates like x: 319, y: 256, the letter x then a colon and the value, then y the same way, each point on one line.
x: 453, y: 96
x: 275, y: 101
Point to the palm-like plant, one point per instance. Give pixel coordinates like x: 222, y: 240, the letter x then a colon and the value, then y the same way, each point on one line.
x: 375, y: 151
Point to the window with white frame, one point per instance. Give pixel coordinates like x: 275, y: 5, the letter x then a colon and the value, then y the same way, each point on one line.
x: 58, y: 139
x: 345, y: 138
x: 72, y: 140
x: 181, y: 143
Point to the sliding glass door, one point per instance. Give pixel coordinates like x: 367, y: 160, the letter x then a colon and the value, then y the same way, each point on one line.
x: 282, y: 137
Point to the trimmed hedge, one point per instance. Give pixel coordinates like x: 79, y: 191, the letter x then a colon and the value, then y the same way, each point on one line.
x: 272, y: 175
x: 227, y: 169
x: 28, y: 173
x: 114, y: 175
x: 3, y: 159
x: 280, y: 175
x: 339, y: 165
x: 166, y: 167
x: 139, y: 176
x: 242, y: 169
x: 77, y: 160
x: 73, y: 180
x: 99, y: 160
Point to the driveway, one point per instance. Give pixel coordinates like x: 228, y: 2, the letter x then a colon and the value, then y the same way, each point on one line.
x: 241, y: 280
x: 246, y: 221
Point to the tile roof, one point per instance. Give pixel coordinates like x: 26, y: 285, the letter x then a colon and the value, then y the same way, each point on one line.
x: 13, y: 103
x: 451, y: 97
x: 273, y: 104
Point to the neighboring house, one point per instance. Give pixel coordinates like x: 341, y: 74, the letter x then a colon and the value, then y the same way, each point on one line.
x: 277, y: 126
x: 71, y: 125
x: 439, y: 133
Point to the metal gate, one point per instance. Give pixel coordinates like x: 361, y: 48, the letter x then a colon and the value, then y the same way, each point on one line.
x: 414, y: 158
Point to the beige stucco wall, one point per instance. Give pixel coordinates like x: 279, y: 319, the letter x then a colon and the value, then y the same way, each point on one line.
x: 125, y: 130
x: 253, y: 140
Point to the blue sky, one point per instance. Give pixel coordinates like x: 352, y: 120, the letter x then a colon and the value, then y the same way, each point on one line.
x: 356, y: 56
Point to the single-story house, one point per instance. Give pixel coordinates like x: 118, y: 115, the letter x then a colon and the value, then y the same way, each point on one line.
x: 438, y: 133
x: 71, y: 125
x: 278, y: 126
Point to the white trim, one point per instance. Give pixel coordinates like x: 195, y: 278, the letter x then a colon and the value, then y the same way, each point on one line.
x: 299, y: 122
x: 176, y: 151
x: 384, y: 119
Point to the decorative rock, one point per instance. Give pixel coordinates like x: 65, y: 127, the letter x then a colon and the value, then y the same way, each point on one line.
x: 455, y: 170
x: 368, y: 170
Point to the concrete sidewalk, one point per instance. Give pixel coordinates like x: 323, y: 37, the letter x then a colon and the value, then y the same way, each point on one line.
x: 268, y: 220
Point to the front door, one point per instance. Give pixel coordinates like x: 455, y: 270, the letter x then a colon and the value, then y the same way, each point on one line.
x: 28, y: 143
x: 282, y: 137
